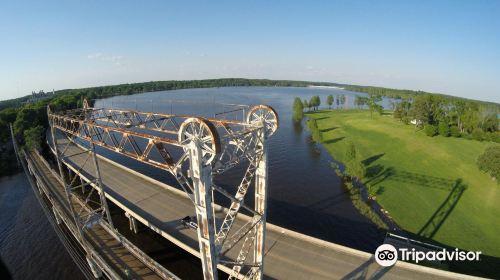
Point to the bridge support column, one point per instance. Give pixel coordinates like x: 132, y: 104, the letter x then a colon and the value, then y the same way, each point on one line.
x: 202, y: 183
x: 67, y: 187
x: 133, y: 225
x: 102, y: 195
x: 96, y: 271
x: 261, y: 208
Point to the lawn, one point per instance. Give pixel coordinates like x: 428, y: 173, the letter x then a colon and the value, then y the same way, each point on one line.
x: 431, y: 186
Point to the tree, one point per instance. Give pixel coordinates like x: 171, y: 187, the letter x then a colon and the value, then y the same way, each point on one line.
x: 478, y: 134
x: 455, y: 131
x: 427, y: 109
x: 444, y: 129
x: 490, y: 122
x: 350, y: 152
x: 298, y: 110
x: 337, y: 101
x: 354, y: 167
x: 312, y: 124
x: 470, y: 120
x: 459, y: 108
x: 33, y: 137
x: 431, y: 130
x: 329, y: 101
x: 314, y: 102
x: 360, y: 101
x: 489, y: 161
x: 342, y: 99
x: 402, y: 111
x: 297, y: 104
x: 372, y: 103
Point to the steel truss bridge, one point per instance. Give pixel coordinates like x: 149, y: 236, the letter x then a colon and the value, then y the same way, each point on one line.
x: 228, y: 229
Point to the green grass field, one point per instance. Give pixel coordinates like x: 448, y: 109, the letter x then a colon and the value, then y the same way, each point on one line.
x: 431, y: 186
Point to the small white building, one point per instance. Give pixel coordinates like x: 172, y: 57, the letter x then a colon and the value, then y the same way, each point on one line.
x: 416, y: 122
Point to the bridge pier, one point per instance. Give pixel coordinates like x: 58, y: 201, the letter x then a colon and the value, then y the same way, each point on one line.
x: 201, y: 175
x: 261, y: 208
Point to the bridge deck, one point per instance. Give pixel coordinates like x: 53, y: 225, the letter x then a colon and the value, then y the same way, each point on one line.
x: 289, y: 255
x: 119, y: 258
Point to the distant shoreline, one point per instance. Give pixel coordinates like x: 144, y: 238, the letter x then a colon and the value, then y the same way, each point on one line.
x: 326, y: 87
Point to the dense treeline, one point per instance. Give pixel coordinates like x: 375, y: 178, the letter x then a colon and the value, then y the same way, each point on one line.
x: 30, y: 119
x: 450, y: 117
x: 13, y: 103
x: 125, y: 89
x: 409, y: 94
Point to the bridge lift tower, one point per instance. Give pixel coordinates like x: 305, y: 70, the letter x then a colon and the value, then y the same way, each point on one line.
x: 196, y: 151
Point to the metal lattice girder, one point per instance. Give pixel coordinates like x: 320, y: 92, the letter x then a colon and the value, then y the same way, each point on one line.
x: 236, y: 204
x: 100, y: 208
x: 195, y: 151
x: 115, y: 129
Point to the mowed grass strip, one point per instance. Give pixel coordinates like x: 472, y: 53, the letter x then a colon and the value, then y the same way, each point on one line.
x: 431, y: 186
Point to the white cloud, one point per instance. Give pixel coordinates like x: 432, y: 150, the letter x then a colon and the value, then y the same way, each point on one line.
x: 94, y: 55
x: 115, y: 59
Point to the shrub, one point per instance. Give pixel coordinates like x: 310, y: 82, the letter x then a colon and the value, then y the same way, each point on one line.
x: 487, y: 136
x: 431, y: 130
x: 478, y: 134
x: 495, y: 137
x: 444, y: 129
x: 489, y: 161
x: 454, y: 131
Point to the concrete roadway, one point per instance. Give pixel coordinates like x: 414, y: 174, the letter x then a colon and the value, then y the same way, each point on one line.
x: 289, y: 255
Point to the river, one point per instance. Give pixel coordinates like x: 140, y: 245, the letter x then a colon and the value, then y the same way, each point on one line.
x: 29, y: 247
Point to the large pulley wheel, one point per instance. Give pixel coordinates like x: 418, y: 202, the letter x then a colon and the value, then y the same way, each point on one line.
x: 202, y: 133
x: 266, y: 115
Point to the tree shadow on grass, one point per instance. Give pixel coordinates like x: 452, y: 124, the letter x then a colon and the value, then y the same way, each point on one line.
x: 378, y: 173
x: 371, y: 159
x: 432, y: 226
x: 328, y: 129
x: 334, y: 140
x: 321, y: 118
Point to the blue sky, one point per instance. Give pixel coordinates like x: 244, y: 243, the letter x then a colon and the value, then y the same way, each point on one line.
x: 450, y: 47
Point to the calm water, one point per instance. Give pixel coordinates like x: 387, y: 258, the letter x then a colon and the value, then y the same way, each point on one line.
x: 304, y: 193
x: 29, y: 247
